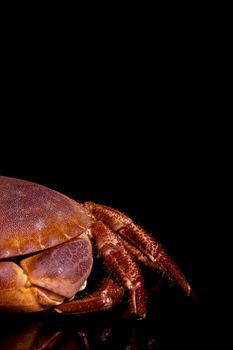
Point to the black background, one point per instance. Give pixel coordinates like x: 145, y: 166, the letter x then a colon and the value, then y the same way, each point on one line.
x: 139, y: 129
x: 157, y: 174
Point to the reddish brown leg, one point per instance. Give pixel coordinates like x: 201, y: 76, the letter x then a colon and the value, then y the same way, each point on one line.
x: 139, y: 243
x: 125, y: 268
x: 155, y: 254
x: 109, y: 295
x: 121, y: 263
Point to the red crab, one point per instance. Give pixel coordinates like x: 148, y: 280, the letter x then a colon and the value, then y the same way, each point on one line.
x: 46, y: 252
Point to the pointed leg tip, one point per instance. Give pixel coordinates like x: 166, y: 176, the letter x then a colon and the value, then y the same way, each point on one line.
x: 141, y: 317
x: 193, y: 296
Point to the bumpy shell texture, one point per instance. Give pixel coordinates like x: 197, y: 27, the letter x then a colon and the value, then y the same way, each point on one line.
x: 34, y: 217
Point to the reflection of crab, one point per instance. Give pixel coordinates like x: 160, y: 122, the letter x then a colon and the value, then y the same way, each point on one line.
x: 57, y: 233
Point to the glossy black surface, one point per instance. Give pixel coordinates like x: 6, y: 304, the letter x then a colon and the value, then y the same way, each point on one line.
x: 179, y: 326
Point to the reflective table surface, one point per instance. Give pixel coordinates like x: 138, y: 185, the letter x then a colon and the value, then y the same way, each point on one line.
x: 170, y: 324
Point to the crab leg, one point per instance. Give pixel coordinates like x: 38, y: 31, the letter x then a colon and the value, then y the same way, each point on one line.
x: 109, y: 295
x: 125, y: 268
x: 154, y: 253
x: 139, y: 243
x: 112, y: 251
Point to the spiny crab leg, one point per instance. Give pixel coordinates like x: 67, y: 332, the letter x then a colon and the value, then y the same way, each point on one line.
x: 118, y: 241
x: 139, y: 242
x: 108, y: 295
x: 124, y: 267
x: 155, y: 254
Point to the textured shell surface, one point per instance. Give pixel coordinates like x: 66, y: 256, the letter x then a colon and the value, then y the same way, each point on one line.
x: 34, y: 217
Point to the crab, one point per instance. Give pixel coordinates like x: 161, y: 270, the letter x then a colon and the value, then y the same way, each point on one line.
x: 47, y: 255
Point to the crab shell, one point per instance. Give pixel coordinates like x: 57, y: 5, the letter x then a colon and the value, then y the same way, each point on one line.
x: 54, y: 230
